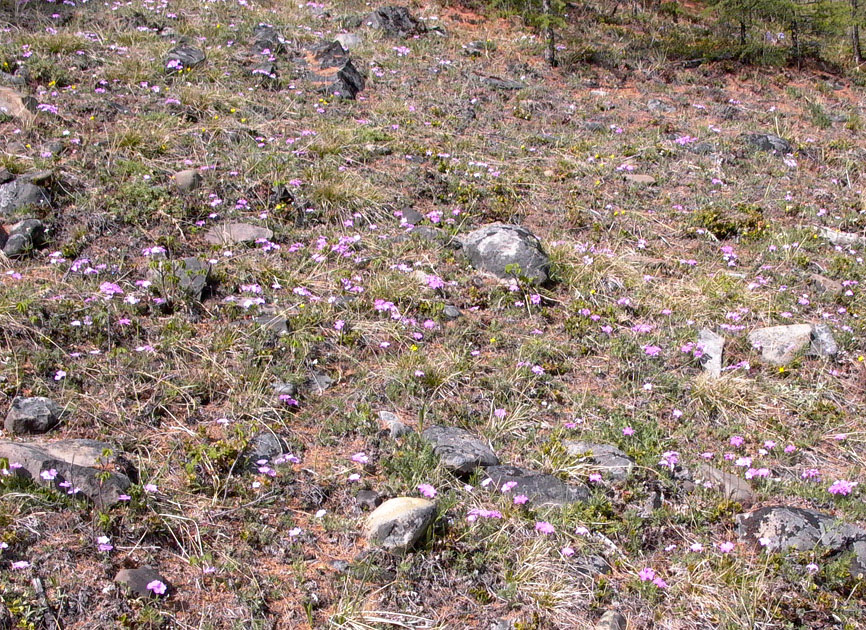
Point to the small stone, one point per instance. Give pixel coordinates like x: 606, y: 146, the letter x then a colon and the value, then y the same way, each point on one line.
x: 639, y: 180
x: 17, y: 106
x: 779, y: 345
x: 611, y: 620
x: 507, y: 251
x: 32, y: 415
x: 594, y: 126
x: 340, y: 566
x: 823, y: 343
x: 399, y: 523
x: 136, y: 580
x: 732, y: 487
x: 703, y: 148
x: 187, y: 180
x: 234, y: 233
x: 768, y: 142
x: 451, y: 312
x: 274, y: 322
x: 658, y: 105
x: 285, y: 389
x: 459, y: 450
x: 498, y: 83
x: 826, y: 286
x: 368, y: 499
x: 24, y: 236
x: 842, y: 239
x: 592, y: 565
x: 605, y: 457
x: 319, y: 382
x: 411, y: 217
x: 191, y: 276
x: 348, y: 41
x: 265, y: 445
x: 711, y: 345
x: 395, y: 426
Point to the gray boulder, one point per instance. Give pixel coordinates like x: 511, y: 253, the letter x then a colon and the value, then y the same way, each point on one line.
x: 399, y: 523
x: 542, y: 489
x: 823, y: 343
x: 768, y: 142
x: 785, y: 528
x: 459, y: 450
x: 332, y: 71
x: 500, y: 249
x: 836, y: 237
x: 187, y: 180
x: 605, y: 457
x: 32, y: 415
x: 20, y: 194
x: 395, y: 426
x: 349, y: 41
x: 73, y: 465
x: 190, y: 276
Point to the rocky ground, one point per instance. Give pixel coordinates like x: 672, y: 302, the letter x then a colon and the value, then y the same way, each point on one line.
x: 345, y: 316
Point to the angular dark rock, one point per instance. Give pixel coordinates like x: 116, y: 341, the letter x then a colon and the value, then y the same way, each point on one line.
x: 191, y: 276
x: 182, y: 57
x: 542, y: 489
x: 730, y: 486
x: 32, y: 415
x: 784, y: 528
x: 266, y: 40
x: 395, y: 21
x: 500, y: 249
x: 266, y: 446
x: 459, y: 450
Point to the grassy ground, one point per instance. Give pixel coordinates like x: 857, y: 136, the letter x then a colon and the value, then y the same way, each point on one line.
x: 727, y: 240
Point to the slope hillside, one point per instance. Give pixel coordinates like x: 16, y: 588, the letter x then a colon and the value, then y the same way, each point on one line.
x: 333, y: 315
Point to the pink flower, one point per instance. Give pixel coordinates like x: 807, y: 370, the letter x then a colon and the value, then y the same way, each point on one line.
x: 508, y: 486
x: 595, y: 478
x: 841, y: 487
x: 157, y: 587
x: 520, y: 499
x: 339, y: 324
x: 652, y: 351
x: 566, y: 552
x: 20, y: 565
x: 646, y: 574
x: 360, y: 458
x: 628, y: 431
x: 737, y: 440
x: 151, y: 487
x: 427, y: 490
x: 544, y: 527
x: 726, y: 547
x: 103, y: 543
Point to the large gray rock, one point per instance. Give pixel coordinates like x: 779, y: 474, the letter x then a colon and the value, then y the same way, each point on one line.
x: 459, y: 450
x: 73, y: 464
x: 500, y: 249
x: 20, y: 194
x: 542, y: 489
x: 395, y: 22
x: 779, y: 345
x: 349, y: 41
x: 712, y: 345
x: 790, y: 528
x: 730, y: 486
x: 768, y: 142
x: 32, y: 415
x: 233, y: 233
x: 136, y: 580
x: 187, y: 180
x: 399, y: 523
x: 605, y: 457
x: 784, y: 528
